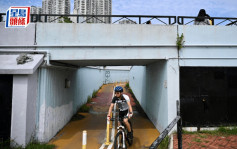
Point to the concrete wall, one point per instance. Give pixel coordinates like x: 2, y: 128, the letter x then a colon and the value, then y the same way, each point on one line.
x: 88, y: 80
x: 112, y: 76
x: 55, y: 102
x: 172, y: 88
x: 105, y: 34
x: 91, y: 79
x: 156, y: 94
x: 17, y: 36
x: 137, y: 82
x: 32, y: 93
x: 145, y: 38
x: 24, y: 108
x: 209, y: 46
x: 149, y: 85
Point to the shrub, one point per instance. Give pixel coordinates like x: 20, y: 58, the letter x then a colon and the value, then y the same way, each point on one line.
x: 94, y: 93
x: 164, y: 144
x: 127, y: 85
x: 89, y: 99
x: 84, y: 108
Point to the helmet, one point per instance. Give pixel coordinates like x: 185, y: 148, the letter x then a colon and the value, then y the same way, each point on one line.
x: 118, y: 89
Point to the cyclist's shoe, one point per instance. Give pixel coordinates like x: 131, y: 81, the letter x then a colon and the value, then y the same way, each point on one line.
x: 130, y: 138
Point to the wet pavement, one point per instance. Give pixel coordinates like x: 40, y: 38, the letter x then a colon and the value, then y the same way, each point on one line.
x: 94, y: 122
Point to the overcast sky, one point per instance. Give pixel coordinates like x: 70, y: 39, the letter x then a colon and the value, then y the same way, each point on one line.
x: 215, y: 8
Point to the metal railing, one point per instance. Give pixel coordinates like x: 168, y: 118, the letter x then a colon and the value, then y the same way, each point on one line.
x: 1, y: 16
x: 107, y: 19
x: 131, y: 19
x: 162, y: 136
x: 185, y: 20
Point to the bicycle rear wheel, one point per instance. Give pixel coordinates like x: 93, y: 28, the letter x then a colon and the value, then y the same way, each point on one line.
x: 118, y: 141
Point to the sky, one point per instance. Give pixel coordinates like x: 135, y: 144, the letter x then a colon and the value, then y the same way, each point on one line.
x: 215, y: 8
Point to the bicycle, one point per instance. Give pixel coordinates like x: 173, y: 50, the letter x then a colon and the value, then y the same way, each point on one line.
x: 121, y: 136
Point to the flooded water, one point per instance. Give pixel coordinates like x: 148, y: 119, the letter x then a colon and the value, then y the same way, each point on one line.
x: 94, y: 122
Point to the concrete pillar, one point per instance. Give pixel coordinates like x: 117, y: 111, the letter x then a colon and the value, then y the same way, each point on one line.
x: 172, y: 87
x: 19, y: 104
x: 23, y: 108
x: 156, y: 94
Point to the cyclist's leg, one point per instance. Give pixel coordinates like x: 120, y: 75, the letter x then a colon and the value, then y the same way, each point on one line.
x: 125, y: 120
x: 130, y: 133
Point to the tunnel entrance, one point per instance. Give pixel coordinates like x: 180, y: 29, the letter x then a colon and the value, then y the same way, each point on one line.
x: 208, y: 96
x: 6, y: 83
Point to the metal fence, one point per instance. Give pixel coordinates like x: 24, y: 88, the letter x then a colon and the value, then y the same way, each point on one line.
x: 106, y: 19
x: 162, y: 136
x: 123, y: 19
x: 186, y: 20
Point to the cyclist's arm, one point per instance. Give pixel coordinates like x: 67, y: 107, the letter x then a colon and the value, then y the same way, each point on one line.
x: 110, y: 109
x: 129, y: 107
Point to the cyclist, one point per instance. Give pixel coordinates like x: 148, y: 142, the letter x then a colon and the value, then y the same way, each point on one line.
x: 125, y: 108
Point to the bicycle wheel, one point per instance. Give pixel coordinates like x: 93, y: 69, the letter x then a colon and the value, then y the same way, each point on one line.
x: 118, y: 141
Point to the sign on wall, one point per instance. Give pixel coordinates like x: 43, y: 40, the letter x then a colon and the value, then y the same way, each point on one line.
x: 17, y: 17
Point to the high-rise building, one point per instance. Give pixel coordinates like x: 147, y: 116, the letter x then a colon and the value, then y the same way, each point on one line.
x: 47, y: 9
x: 80, y: 7
x: 93, y: 7
x: 35, y: 10
x: 55, y: 7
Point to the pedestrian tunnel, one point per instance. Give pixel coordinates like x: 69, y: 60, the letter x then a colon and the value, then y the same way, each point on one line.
x: 63, y: 81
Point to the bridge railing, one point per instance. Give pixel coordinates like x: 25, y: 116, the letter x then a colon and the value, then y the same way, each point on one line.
x: 177, y: 121
x: 128, y: 19
x: 106, y: 19
x: 188, y: 20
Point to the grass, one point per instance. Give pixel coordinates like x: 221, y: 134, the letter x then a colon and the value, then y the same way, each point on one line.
x: 180, y: 41
x: 197, y: 140
x: 164, y: 144
x: 202, y: 136
x: 94, y: 93
x: 127, y: 85
x: 84, y: 108
x: 40, y: 146
x: 220, y: 131
x: 129, y: 89
x: 89, y: 99
x: 32, y: 145
x: 228, y: 131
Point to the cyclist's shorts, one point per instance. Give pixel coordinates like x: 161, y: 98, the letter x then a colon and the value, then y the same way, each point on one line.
x: 123, y: 114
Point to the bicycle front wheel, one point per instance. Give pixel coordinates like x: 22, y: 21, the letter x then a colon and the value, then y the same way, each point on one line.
x: 118, y: 141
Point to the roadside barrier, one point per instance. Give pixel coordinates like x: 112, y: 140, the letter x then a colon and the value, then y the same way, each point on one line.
x: 107, y: 133
x: 84, y: 139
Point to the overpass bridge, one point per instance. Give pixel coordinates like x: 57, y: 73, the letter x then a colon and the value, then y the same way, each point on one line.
x: 161, y: 74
